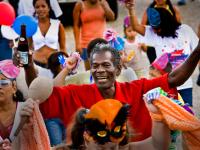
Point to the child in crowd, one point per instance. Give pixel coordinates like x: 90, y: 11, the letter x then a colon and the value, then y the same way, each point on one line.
x: 115, y: 41
x: 133, y: 50
x: 159, y: 67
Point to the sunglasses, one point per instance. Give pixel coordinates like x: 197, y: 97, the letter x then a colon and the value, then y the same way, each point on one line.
x: 4, y: 83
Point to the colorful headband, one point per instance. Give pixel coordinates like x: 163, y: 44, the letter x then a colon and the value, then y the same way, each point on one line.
x: 113, y: 39
x: 8, y: 69
x: 161, y: 63
x: 102, y: 111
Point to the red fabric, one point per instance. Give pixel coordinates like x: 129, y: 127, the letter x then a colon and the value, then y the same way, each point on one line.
x: 64, y: 101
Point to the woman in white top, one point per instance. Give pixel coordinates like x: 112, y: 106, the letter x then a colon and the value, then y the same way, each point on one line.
x: 167, y: 35
x: 26, y: 8
x: 50, y: 35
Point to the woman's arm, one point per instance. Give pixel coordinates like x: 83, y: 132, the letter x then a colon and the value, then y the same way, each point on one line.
x: 134, y: 20
x: 108, y: 11
x: 76, y: 26
x: 178, y: 76
x: 70, y: 64
x: 62, y: 38
x: 144, y: 18
x: 177, y: 14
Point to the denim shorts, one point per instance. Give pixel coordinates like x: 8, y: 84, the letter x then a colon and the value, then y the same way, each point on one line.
x: 56, y: 131
x: 84, y: 55
x: 186, y: 94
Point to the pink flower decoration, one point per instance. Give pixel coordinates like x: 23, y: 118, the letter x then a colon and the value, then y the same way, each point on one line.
x: 110, y: 35
x: 8, y: 69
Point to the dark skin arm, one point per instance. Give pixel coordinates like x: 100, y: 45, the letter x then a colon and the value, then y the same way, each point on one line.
x: 178, y: 76
x: 30, y: 73
x: 76, y: 26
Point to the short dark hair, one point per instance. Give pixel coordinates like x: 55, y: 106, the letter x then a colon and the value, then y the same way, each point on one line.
x: 51, y: 13
x: 53, y: 62
x: 99, y: 48
x: 93, y: 43
x: 18, y: 97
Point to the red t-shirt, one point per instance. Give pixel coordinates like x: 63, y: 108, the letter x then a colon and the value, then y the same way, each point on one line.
x: 64, y: 102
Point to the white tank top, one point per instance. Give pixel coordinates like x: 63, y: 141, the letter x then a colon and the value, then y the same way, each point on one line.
x: 51, y: 37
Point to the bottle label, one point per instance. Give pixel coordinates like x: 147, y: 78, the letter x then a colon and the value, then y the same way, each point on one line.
x: 22, y: 39
x: 23, y: 57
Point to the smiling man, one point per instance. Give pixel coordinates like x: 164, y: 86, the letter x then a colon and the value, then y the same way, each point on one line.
x: 105, y: 67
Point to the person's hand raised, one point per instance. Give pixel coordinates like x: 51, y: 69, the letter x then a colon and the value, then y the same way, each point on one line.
x: 71, y: 63
x: 149, y: 97
x: 104, y: 4
x: 129, y: 4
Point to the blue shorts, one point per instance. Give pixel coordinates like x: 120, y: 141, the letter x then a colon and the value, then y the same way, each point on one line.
x: 186, y: 94
x: 56, y: 131
x: 84, y: 55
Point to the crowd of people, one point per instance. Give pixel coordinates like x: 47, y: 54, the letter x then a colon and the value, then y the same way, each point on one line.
x: 110, y: 105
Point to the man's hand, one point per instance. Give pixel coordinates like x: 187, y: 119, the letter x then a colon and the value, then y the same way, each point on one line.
x: 78, y: 49
x: 27, y: 108
x: 152, y: 94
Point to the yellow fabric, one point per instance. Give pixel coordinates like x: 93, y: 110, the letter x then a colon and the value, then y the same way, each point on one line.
x: 166, y: 7
x: 177, y: 118
x: 180, y: 98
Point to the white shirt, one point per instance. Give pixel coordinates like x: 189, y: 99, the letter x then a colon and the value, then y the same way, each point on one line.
x: 179, y: 48
x: 25, y: 7
x: 50, y: 39
x: 44, y: 72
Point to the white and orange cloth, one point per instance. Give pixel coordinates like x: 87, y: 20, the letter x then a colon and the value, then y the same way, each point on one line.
x: 177, y: 118
x: 33, y: 135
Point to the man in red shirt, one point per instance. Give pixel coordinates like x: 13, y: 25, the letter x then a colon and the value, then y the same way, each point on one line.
x: 105, y: 67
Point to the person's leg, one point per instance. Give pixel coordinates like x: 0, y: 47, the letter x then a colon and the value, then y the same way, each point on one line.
x: 174, y: 134
x: 186, y: 94
x: 85, y: 58
x: 54, y: 130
